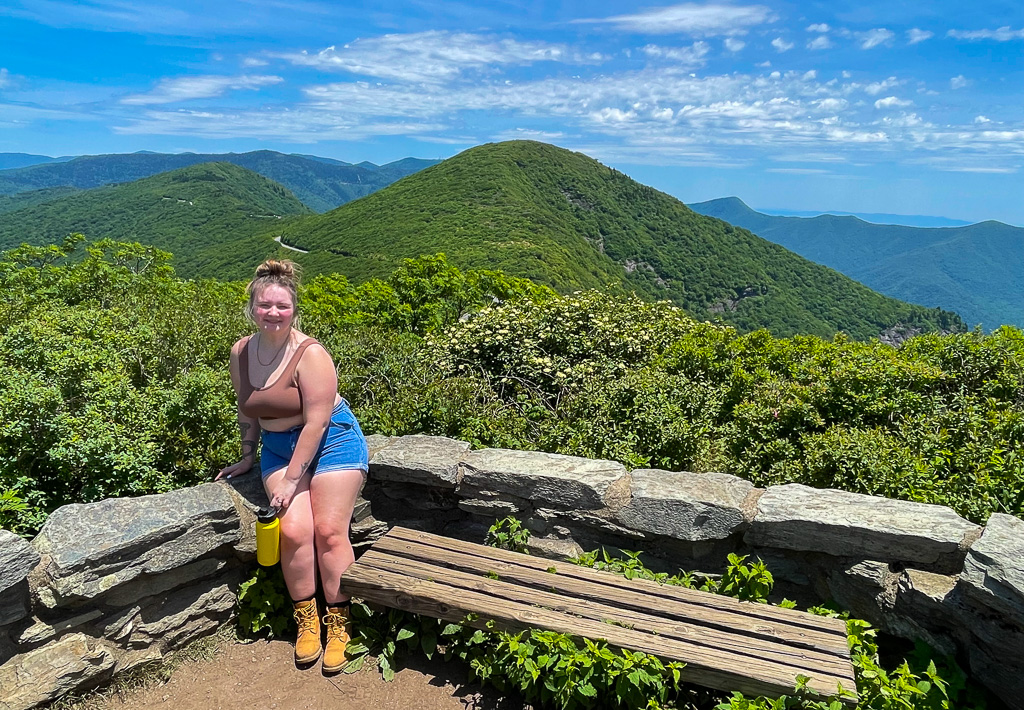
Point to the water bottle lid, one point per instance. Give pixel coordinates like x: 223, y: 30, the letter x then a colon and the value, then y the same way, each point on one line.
x: 267, y: 514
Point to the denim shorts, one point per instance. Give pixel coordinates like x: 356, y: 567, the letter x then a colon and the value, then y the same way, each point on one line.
x: 343, y: 446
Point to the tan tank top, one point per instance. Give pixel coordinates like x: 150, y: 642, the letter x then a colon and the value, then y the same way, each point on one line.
x: 279, y: 400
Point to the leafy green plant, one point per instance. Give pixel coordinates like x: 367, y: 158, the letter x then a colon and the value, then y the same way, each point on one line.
x: 508, y: 534
x: 264, y: 607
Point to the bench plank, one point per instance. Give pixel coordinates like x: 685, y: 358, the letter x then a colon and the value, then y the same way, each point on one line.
x: 726, y: 644
x: 702, y: 601
x: 731, y: 615
x: 789, y: 660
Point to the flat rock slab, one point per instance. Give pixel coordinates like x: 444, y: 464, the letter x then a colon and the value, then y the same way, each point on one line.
x: 686, y: 506
x: 994, y: 568
x: 17, y: 558
x: 550, y: 479
x: 94, y: 548
x: 797, y: 517
x: 76, y: 662
x: 427, y: 460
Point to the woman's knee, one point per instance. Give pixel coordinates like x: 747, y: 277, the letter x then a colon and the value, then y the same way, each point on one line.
x: 331, y: 534
x: 297, y: 530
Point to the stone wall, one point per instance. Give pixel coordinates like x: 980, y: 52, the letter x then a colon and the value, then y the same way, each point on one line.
x: 107, y: 586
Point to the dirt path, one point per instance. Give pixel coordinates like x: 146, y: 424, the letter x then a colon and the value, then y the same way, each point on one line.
x: 262, y: 676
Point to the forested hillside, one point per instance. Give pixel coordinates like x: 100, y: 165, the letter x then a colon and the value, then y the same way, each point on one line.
x: 973, y: 270
x: 206, y: 214
x: 321, y: 184
x: 564, y: 220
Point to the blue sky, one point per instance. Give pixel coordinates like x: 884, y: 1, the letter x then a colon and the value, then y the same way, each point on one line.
x: 857, y: 105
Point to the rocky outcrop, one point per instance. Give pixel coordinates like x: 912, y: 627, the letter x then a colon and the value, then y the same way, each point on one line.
x: 110, y: 585
x: 686, y: 506
x: 800, y: 518
x: 17, y: 558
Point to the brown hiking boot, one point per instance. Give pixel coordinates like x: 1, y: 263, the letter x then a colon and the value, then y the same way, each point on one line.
x: 307, y: 643
x: 339, y: 633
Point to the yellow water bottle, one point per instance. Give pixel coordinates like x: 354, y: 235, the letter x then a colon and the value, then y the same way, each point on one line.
x: 268, y: 537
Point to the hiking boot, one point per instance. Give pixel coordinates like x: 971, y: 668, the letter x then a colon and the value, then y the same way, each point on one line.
x: 307, y: 643
x: 339, y: 633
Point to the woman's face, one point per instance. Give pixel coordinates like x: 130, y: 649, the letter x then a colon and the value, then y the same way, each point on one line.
x: 274, y: 309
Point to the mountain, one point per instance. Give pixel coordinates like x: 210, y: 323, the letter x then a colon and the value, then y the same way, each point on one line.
x: 320, y: 184
x: 9, y: 203
x: 204, y: 214
x: 563, y: 219
x: 21, y: 160
x: 907, y: 220
x: 974, y: 270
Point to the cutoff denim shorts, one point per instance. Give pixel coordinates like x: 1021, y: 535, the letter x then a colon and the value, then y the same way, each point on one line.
x: 343, y: 446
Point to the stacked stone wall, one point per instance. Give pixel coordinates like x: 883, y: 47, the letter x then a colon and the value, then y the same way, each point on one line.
x: 107, y: 586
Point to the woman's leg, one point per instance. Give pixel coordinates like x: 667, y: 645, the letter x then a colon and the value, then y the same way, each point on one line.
x: 298, y: 558
x: 333, y: 495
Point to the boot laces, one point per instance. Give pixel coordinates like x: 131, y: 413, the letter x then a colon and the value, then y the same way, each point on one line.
x: 305, y: 617
x: 335, y: 623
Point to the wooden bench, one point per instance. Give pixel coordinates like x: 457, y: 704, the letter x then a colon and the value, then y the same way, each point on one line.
x: 725, y: 643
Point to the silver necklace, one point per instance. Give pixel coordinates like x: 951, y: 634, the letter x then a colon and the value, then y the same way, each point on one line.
x: 259, y: 342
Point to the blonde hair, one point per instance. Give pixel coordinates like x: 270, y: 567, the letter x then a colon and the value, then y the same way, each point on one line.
x: 284, y: 273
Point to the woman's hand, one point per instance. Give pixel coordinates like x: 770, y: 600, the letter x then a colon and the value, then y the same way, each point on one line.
x: 283, y: 493
x: 235, y: 469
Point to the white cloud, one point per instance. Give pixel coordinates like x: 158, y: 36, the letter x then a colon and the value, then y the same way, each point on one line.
x: 765, y: 64
x: 819, y: 27
x: 199, y: 87
x: 891, y: 102
x: 5, y: 77
x: 692, y: 56
x: 916, y: 35
x: 734, y: 45
x: 831, y: 104
x: 820, y: 42
x: 982, y: 119
x: 691, y: 18
x: 810, y: 75
x: 877, y: 87
x: 433, y: 56
x: 663, y: 114
x: 873, y: 38
x: 782, y: 45
x: 1003, y: 34
x: 797, y: 171
x: 959, y: 82
x: 612, y: 115
x: 254, y: 62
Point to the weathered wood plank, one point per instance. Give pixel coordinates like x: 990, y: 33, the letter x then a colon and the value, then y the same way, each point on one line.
x: 788, y: 661
x: 801, y: 619
x: 704, y: 666
x: 731, y: 621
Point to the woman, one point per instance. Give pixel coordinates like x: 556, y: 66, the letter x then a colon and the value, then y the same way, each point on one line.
x: 313, y: 459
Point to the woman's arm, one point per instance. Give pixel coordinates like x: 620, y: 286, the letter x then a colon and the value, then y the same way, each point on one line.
x: 247, y: 426
x: 318, y: 383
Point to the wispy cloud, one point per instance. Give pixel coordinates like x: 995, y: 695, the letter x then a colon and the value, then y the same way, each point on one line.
x: 199, y: 87
x: 5, y: 77
x: 433, y: 56
x: 249, y: 62
x: 916, y: 35
x: 734, y: 45
x: 692, y: 56
x: 1003, y: 34
x: 691, y: 18
x: 982, y: 120
x: 782, y: 45
x: 891, y: 102
x: 819, y: 27
x: 820, y: 42
x: 874, y: 38
x: 959, y: 82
